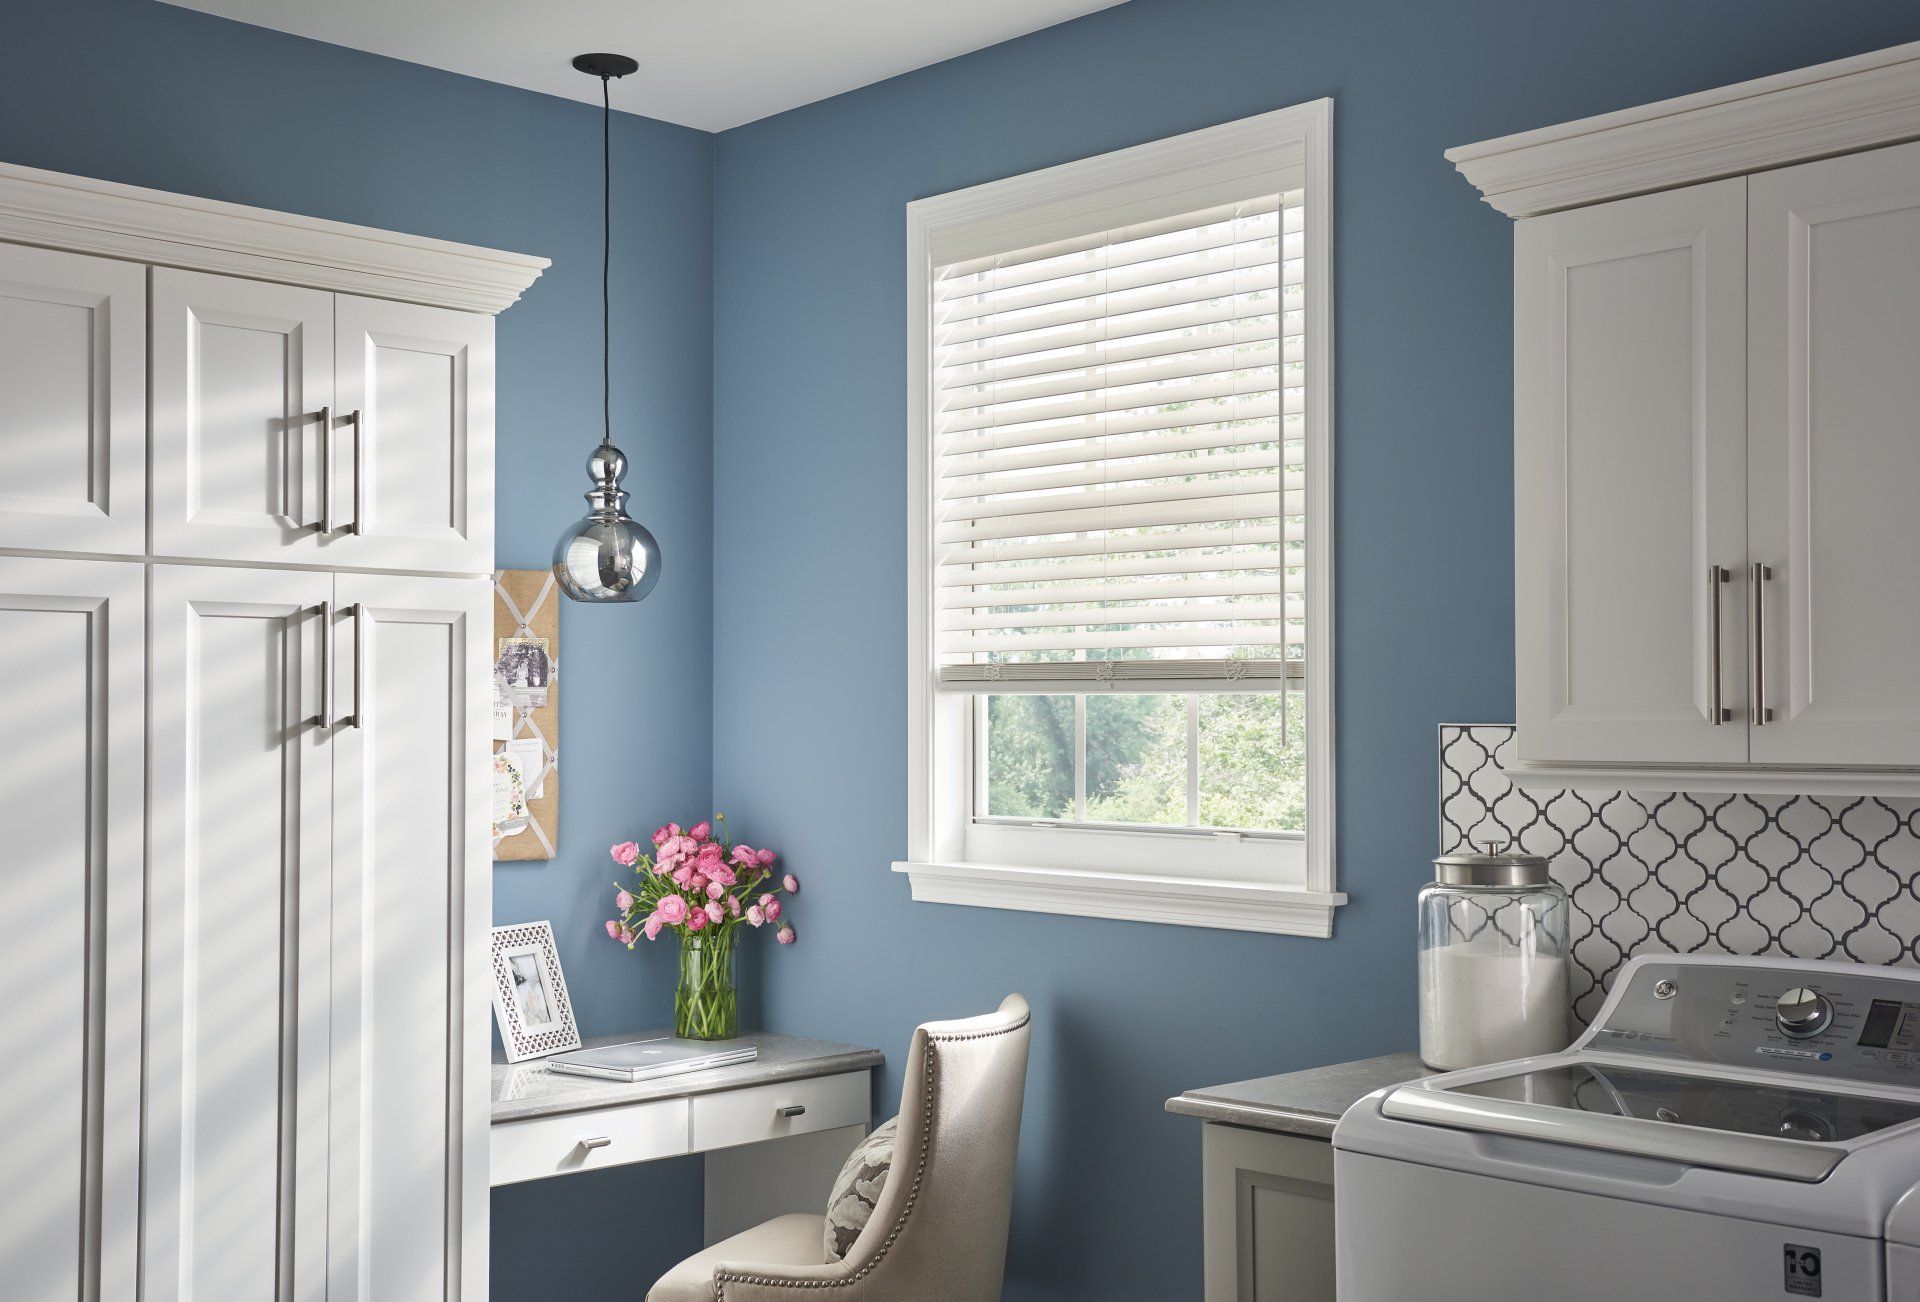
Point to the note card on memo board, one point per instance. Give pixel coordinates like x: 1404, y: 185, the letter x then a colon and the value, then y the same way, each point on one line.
x: 526, y: 714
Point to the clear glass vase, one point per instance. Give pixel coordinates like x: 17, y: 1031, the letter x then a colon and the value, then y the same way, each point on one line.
x: 707, y: 1005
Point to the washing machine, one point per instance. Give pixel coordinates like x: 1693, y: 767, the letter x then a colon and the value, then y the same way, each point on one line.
x: 1727, y: 1130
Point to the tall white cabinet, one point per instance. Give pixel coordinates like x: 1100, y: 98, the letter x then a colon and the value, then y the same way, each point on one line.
x: 1717, y: 435
x: 246, y: 508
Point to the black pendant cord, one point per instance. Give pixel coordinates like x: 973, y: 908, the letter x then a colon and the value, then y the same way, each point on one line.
x: 606, y: 257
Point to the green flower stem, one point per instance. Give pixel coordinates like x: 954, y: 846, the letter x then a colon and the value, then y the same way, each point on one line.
x: 707, y: 1005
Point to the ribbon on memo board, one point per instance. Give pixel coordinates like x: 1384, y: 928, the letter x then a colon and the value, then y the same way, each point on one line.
x: 526, y: 714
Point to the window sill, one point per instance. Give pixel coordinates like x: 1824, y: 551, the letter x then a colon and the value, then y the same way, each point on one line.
x: 1187, y: 902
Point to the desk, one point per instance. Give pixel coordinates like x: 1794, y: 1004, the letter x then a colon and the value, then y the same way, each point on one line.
x: 1266, y: 1176
x: 775, y: 1130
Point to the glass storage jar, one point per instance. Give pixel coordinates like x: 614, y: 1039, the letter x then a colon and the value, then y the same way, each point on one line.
x: 1493, y: 961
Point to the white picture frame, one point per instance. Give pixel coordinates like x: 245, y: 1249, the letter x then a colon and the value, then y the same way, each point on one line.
x: 530, y: 1002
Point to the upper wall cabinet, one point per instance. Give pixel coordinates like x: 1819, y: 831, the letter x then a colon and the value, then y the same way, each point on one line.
x: 293, y: 425
x: 73, y: 427
x: 1717, y: 552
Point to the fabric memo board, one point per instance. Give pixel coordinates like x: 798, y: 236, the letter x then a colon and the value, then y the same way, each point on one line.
x: 526, y: 644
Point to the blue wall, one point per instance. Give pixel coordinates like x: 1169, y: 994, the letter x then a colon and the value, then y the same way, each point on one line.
x: 809, y: 456
x: 145, y: 93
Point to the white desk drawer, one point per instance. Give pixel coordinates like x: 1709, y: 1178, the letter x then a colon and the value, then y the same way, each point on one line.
x: 794, y: 1107
x: 559, y: 1145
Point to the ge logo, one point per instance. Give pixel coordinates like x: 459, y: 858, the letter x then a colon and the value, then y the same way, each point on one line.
x: 1802, y: 1270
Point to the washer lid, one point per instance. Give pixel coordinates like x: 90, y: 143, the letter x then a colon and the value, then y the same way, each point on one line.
x: 1733, y: 1125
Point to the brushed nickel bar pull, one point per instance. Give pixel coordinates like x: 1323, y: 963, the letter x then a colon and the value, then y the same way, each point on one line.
x: 596, y: 1141
x: 325, y: 717
x: 358, y: 719
x: 1762, y: 712
x: 792, y: 1110
x: 1719, y: 713
x: 326, y: 470
x: 359, y: 478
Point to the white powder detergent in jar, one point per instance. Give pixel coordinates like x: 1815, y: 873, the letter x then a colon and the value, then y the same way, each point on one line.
x: 1493, y: 961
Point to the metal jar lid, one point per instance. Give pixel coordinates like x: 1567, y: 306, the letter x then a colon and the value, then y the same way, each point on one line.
x: 1491, y: 869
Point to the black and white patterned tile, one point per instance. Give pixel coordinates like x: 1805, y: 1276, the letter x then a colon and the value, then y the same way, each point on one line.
x: 1805, y: 877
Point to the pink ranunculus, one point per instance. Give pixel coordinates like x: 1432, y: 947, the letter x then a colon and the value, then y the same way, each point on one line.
x: 697, y: 920
x: 791, y: 882
x: 682, y: 875
x: 710, y: 853
x: 733, y: 905
x: 721, y: 873
x: 697, y: 883
x: 625, y: 853
x: 785, y: 934
x: 715, y: 913
x: 773, y: 908
x: 627, y: 937
x: 672, y: 910
x: 652, y: 926
x: 743, y: 855
x: 765, y: 857
x: 700, y: 831
x: 756, y: 915
x: 715, y: 890
x: 622, y: 901
x: 660, y: 835
x: 613, y: 928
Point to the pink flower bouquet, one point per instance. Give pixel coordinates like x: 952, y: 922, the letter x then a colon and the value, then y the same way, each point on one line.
x: 698, y: 885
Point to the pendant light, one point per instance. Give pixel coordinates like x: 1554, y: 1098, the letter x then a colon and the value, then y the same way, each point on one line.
x: 607, y: 556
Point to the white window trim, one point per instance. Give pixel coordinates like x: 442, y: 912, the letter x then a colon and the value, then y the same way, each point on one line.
x: 1283, y: 886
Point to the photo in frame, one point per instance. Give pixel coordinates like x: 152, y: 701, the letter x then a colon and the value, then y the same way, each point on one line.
x: 530, y: 1002
x: 526, y: 715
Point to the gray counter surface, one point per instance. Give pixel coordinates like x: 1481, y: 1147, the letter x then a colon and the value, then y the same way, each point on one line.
x: 1299, y: 1102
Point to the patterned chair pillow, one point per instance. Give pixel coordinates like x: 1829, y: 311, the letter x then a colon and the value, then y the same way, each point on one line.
x: 857, y: 1189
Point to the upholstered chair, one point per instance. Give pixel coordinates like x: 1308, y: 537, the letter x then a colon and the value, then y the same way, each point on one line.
x: 938, y: 1232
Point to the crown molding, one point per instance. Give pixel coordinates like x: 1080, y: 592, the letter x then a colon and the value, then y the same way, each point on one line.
x: 1832, y: 108
x: 82, y: 215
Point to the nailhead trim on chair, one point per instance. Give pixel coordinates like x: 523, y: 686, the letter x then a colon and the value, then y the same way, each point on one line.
x: 722, y: 1279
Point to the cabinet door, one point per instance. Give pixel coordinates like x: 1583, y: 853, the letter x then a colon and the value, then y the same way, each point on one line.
x: 236, y: 1125
x: 420, y: 478
x: 411, y: 912
x: 1835, y: 456
x: 73, y: 399
x: 1630, y: 478
x: 242, y: 372
x: 71, y: 798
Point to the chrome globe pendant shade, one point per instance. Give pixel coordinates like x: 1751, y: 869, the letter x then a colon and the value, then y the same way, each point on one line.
x: 608, y: 555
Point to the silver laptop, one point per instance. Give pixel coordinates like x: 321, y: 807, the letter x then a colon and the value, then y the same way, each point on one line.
x: 637, y: 1060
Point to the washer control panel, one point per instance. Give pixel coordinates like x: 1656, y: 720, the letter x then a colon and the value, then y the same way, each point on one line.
x: 1841, y: 1023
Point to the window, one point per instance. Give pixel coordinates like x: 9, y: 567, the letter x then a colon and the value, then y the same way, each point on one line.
x: 1120, y: 574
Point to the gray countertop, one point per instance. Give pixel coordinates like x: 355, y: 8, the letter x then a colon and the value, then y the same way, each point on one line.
x: 1300, y: 1102
x: 528, y: 1089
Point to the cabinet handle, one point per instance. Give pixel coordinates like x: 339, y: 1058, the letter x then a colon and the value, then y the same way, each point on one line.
x: 326, y: 470
x: 325, y: 717
x: 358, y: 719
x: 1716, y: 575
x: 792, y: 1110
x: 359, y: 477
x: 597, y: 1141
x: 1760, y: 575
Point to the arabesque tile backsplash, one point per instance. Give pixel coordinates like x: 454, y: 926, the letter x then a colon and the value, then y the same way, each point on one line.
x: 1802, y: 876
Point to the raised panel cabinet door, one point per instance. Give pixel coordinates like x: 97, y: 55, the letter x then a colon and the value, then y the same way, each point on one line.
x: 1630, y: 479
x: 239, y: 892
x: 412, y: 908
x: 73, y: 402
x: 242, y: 383
x: 415, y: 386
x: 71, y: 879
x: 1835, y: 456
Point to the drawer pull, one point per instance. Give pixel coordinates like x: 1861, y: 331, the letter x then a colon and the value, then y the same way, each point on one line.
x: 792, y: 1110
x: 598, y: 1141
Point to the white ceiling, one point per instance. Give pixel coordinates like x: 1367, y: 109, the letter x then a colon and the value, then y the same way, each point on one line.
x: 711, y: 64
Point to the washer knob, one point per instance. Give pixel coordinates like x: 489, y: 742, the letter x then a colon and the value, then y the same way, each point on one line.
x: 1801, y: 1012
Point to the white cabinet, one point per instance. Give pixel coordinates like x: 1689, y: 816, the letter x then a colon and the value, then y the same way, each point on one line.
x: 1834, y: 338
x: 70, y: 890
x: 1630, y: 478
x: 1717, y: 555
x: 292, y: 425
x: 1267, y: 1216
x: 73, y: 418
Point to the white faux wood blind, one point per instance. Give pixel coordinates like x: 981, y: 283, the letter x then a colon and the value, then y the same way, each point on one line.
x: 1119, y: 456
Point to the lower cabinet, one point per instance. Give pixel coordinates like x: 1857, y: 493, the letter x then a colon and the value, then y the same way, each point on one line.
x: 1267, y: 1206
